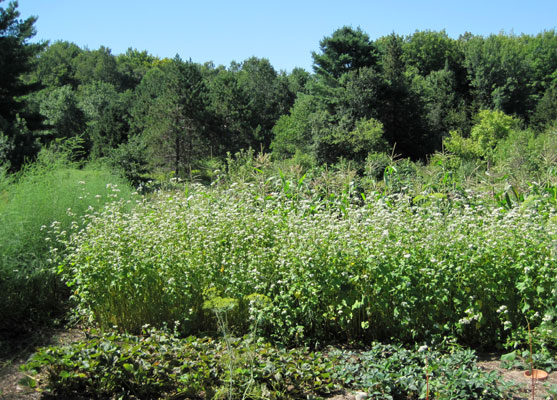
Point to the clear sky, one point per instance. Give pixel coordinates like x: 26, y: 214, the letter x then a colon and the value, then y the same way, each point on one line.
x: 285, y: 31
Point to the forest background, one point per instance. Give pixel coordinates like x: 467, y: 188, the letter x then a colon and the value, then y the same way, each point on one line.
x: 412, y: 96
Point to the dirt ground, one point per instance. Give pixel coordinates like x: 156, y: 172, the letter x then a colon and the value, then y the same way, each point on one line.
x: 18, y: 352
x: 13, y: 358
x: 492, y: 363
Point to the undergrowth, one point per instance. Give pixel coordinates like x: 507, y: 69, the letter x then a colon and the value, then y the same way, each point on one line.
x: 160, y: 365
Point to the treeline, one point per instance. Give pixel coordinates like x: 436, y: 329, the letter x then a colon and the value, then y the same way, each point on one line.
x: 416, y: 94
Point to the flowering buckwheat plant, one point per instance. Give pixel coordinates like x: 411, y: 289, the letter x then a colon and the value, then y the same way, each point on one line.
x: 389, y: 268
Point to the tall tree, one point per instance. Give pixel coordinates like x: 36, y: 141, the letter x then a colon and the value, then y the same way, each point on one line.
x: 269, y: 99
x: 56, y: 65
x: 444, y: 110
x: 97, y: 65
x: 401, y: 108
x: 347, y: 49
x: 293, y: 131
x: 17, y: 124
x: 232, y: 107
x: 107, y: 113
x: 132, y: 67
x: 499, y: 73
x: 171, y: 111
x: 429, y: 51
x: 64, y: 117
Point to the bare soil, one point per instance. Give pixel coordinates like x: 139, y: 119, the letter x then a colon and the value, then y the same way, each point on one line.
x: 16, y: 352
x: 492, y: 363
x: 19, y: 351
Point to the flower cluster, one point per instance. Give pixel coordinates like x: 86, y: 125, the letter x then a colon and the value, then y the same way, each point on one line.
x: 386, y: 269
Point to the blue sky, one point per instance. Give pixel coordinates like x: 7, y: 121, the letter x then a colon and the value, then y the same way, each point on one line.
x: 285, y: 32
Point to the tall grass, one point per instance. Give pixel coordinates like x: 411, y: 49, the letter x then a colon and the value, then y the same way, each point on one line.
x: 51, y: 192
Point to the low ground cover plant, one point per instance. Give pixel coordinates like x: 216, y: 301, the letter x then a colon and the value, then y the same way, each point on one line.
x: 159, y: 364
x: 387, y: 371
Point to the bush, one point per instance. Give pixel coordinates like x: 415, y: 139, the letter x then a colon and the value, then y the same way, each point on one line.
x: 130, y: 160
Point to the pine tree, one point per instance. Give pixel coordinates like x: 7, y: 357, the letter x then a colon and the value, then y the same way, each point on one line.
x: 17, y: 124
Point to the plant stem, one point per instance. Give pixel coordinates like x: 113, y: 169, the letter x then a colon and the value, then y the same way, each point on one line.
x: 531, y: 362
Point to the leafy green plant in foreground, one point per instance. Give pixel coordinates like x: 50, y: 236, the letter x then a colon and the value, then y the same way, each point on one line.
x: 160, y: 365
x: 394, y: 372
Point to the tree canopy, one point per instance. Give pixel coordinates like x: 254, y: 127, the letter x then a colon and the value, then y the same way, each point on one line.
x: 408, y: 93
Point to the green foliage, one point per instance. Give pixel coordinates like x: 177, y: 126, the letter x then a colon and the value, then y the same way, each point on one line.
x: 526, y: 154
x: 132, y: 67
x: 400, y: 108
x: 420, y: 87
x: 293, y: 132
x: 367, y: 137
x: 498, y: 71
x: 230, y: 103
x: 348, y: 143
x: 50, y: 194
x: 364, y: 91
x: 393, y: 372
x: 546, y: 110
x: 17, y: 123
x: 56, y: 65
x: 464, y: 148
x: 160, y: 365
x: 96, y: 66
x: 445, y: 109
x: 268, y: 97
x: 332, y: 270
x: 131, y: 160
x: 64, y: 117
x: 375, y: 165
x: 108, y: 116
x: 170, y: 111
x: 490, y: 128
x: 430, y: 51
x: 521, y: 360
x: 347, y: 49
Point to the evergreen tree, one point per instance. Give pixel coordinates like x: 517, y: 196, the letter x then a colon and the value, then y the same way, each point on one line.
x: 171, y: 113
x: 347, y: 49
x: 18, y: 125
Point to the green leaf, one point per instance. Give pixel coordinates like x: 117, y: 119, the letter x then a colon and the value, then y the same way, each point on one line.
x: 509, y: 356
